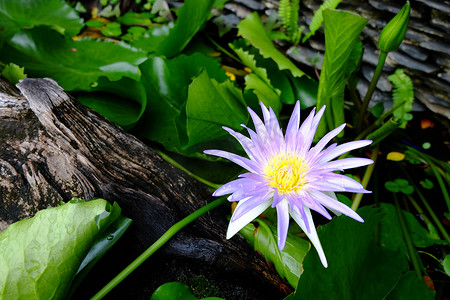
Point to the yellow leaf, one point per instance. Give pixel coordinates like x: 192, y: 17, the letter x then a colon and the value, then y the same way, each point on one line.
x: 395, y: 156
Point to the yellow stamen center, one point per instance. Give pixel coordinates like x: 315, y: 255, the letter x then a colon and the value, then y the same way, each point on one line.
x: 286, y: 173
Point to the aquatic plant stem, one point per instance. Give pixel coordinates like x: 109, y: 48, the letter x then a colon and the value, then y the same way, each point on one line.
x: 156, y: 245
x: 223, y: 49
x: 171, y: 161
x: 423, y: 216
x: 365, y: 181
x: 433, y: 215
x: 371, y: 89
x: 441, y: 184
x: 428, y: 208
x: 412, y: 251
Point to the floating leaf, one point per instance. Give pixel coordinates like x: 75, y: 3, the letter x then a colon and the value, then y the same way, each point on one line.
x: 75, y: 65
x: 112, y: 29
x: 49, y: 248
x: 395, y: 156
x: 357, y: 267
x: 252, y: 29
x: 94, y: 23
x: 427, y: 184
x: 133, y: 18
x: 399, y: 185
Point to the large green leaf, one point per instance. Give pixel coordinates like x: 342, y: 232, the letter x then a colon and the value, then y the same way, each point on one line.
x: 252, y: 29
x: 41, y: 256
x: 412, y: 288
x: 288, y: 262
x: 357, y: 267
x: 342, y: 31
x: 317, y: 19
x: 19, y: 14
x: 258, y: 81
x: 211, y: 105
x: 305, y: 90
x: 75, y: 65
x: 169, y: 119
x: 191, y: 17
x: 267, y: 82
x: 122, y: 102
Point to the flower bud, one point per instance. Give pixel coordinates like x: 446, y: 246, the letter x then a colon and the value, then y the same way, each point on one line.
x: 392, y: 35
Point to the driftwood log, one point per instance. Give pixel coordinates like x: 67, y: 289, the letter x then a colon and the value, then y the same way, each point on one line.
x: 53, y: 148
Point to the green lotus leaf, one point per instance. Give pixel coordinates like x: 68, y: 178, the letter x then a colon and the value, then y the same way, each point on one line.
x: 19, y: 14
x: 41, y: 256
x: 75, y: 65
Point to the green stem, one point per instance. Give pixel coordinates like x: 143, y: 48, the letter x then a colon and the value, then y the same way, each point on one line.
x: 412, y: 251
x: 432, y: 162
x: 374, y: 126
x: 433, y: 215
x: 441, y: 183
x: 378, y: 122
x: 365, y: 181
x: 223, y: 49
x: 355, y: 98
x: 443, y: 168
x: 428, y: 208
x: 170, y: 160
x: 423, y: 216
x: 156, y: 245
x: 371, y: 89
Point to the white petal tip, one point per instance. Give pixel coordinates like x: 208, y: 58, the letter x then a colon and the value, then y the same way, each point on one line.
x: 230, y: 234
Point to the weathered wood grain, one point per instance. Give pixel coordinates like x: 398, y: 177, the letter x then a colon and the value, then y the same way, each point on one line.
x: 53, y: 148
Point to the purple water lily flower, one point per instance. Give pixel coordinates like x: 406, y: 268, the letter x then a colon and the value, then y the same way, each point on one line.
x: 285, y: 172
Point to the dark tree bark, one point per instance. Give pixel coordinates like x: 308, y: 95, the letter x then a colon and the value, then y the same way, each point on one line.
x: 53, y: 148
